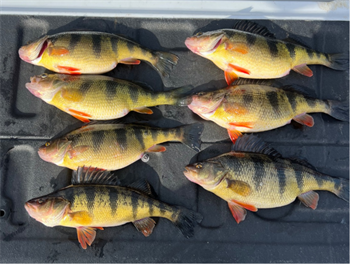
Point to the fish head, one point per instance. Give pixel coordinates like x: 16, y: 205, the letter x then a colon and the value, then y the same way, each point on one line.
x: 206, y: 102
x: 207, y: 174
x: 32, y: 52
x: 48, y: 210
x: 54, y: 150
x: 205, y: 43
x: 45, y: 86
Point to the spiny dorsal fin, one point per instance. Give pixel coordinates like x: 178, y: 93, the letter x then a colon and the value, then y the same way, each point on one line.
x: 88, y: 175
x: 142, y: 186
x: 254, y: 28
x: 242, y: 81
x: 251, y: 143
x: 302, y: 161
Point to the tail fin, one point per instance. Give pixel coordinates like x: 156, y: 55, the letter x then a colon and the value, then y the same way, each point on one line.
x: 187, y: 220
x: 182, y: 95
x: 339, y: 110
x: 165, y: 62
x: 191, y: 135
x: 339, y: 61
x: 343, y: 188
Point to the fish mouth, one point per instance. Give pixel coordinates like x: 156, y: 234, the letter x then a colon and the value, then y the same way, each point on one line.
x: 189, y: 171
x: 192, y: 44
x: 34, y: 86
x: 32, y: 53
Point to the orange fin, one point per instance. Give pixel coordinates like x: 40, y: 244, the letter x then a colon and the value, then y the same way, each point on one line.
x: 130, y: 61
x: 243, y: 124
x: 239, y: 187
x: 83, y: 119
x: 143, y: 110
x: 309, y: 199
x: 232, y: 67
x: 57, y: 51
x: 304, y: 119
x: 230, y: 77
x: 77, y: 151
x: 72, y: 95
x: 82, y: 218
x: 237, y: 211
x: 234, y: 134
x: 79, y: 113
x: 156, y: 148
x: 67, y: 69
x: 145, y: 226
x: 303, y: 69
x: 246, y: 206
x: 238, y: 47
x: 86, y: 235
x: 234, y: 109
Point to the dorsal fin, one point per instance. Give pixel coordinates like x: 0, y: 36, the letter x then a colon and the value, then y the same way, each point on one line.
x: 296, y: 41
x: 254, y: 28
x: 251, y: 143
x: 88, y: 175
x: 242, y: 81
x: 141, y: 185
x: 302, y: 161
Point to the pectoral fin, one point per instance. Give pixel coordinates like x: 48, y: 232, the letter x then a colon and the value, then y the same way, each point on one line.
x: 143, y: 110
x: 76, y: 151
x: 238, y: 47
x: 82, y: 218
x: 86, y: 235
x: 304, y: 119
x: 309, y: 199
x: 156, y: 148
x: 238, y: 187
x: 303, y: 69
x: 234, y: 109
x: 72, y: 95
x: 237, y: 211
x: 145, y: 226
x: 57, y: 51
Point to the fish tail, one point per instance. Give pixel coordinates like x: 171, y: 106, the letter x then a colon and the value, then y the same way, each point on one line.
x: 338, y: 110
x: 341, y: 188
x: 338, y: 61
x: 181, y: 95
x: 191, y: 135
x: 164, y: 62
x: 186, y: 220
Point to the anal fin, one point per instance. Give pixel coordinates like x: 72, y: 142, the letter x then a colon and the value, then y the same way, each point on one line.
x: 156, y: 148
x: 238, y: 212
x: 304, y: 119
x: 303, y: 69
x: 143, y: 110
x: 309, y: 199
x: 86, y: 235
x: 145, y: 226
x: 130, y: 61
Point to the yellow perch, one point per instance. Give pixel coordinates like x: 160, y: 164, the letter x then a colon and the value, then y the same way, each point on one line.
x: 93, y: 201
x: 248, y: 106
x: 254, y: 175
x: 251, y: 51
x: 98, y: 97
x: 92, y: 53
x: 114, y: 146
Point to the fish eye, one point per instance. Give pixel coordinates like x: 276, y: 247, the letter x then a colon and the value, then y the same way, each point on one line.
x: 47, y: 144
x: 199, y: 34
x: 200, y: 94
x: 199, y: 166
x: 44, y: 75
x: 40, y: 201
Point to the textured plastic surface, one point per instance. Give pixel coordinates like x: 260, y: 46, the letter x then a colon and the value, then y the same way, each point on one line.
x: 292, y: 233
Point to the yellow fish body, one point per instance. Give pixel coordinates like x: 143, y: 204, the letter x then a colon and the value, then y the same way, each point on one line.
x: 91, y: 53
x: 251, y: 51
x: 249, y: 107
x: 255, y: 175
x: 93, y: 201
x: 114, y: 146
x: 97, y: 97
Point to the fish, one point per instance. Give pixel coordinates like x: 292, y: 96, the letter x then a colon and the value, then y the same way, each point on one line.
x: 254, y: 175
x: 250, y: 50
x: 97, y: 97
x: 114, y: 146
x: 255, y: 106
x: 89, y: 52
x: 94, y: 200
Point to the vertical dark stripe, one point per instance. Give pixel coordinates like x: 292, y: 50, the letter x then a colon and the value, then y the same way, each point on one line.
x: 259, y: 171
x: 292, y: 99
x: 110, y: 90
x: 337, y: 183
x: 131, y: 46
x: 96, y: 45
x: 121, y: 138
x: 310, y: 53
x: 179, y: 132
x: 85, y: 87
x: 273, y: 99
x: 134, y: 204
x: 134, y: 95
x: 162, y: 208
x: 114, y: 44
x: 97, y: 139
x: 91, y: 196
x: 138, y: 132
x: 291, y: 50
x: 281, y: 174
x: 150, y: 206
x: 154, y: 133
x: 73, y: 42
x: 250, y: 39
x: 230, y: 33
x: 299, y: 178
x: 318, y: 179
x: 247, y: 99
x: 311, y: 102
x: 113, y: 199
x: 272, y: 47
